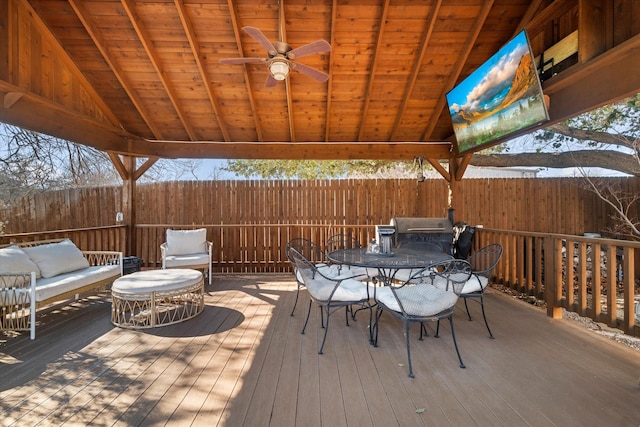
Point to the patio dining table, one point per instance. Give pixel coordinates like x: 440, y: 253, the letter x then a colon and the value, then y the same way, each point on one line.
x: 388, y: 265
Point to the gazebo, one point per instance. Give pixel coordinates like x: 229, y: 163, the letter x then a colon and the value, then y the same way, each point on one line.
x: 150, y: 79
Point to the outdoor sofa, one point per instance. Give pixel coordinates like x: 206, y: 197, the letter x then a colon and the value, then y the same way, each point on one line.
x: 36, y: 274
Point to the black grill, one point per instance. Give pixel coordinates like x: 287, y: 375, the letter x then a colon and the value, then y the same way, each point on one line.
x: 433, y: 230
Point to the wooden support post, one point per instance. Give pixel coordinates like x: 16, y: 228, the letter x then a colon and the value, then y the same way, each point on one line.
x: 129, y: 203
x: 628, y: 279
x: 553, y: 276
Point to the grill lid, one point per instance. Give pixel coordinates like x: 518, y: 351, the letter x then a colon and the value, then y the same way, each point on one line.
x: 422, y: 225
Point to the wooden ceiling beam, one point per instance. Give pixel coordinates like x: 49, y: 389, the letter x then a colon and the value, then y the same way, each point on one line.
x: 151, y: 52
x: 245, y: 73
x: 39, y: 114
x: 457, y: 69
x: 566, y: 90
x: 290, y: 150
x: 98, y: 40
x: 374, y: 62
x: 426, y: 38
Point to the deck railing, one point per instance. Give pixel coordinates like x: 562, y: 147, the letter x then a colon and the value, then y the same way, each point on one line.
x: 246, y: 247
x: 593, y: 277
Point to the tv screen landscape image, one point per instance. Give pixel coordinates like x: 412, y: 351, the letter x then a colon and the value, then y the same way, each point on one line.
x: 499, y: 98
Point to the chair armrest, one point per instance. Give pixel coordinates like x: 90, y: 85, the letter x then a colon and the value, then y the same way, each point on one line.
x: 103, y: 257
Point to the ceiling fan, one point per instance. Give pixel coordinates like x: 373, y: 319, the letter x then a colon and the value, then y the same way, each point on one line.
x: 281, y: 58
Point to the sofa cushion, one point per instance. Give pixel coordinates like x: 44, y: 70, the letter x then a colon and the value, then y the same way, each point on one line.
x: 47, y: 288
x: 14, y: 260
x: 417, y: 300
x: 57, y: 258
x: 188, y: 260
x: 184, y: 242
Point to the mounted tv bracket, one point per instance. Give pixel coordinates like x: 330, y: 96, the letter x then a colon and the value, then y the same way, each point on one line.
x: 558, y: 57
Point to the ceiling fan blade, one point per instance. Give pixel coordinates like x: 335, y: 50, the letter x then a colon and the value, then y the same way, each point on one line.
x: 311, y: 72
x: 241, y: 60
x: 258, y: 36
x: 270, y: 82
x: 317, y: 46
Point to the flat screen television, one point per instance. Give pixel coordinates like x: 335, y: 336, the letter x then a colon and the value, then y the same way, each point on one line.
x: 501, y: 97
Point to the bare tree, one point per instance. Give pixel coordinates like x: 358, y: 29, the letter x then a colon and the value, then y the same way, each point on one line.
x: 33, y: 162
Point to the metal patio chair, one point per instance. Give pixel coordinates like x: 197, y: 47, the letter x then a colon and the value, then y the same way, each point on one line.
x: 314, y: 253
x: 329, y: 293
x: 483, y: 261
x: 431, y: 297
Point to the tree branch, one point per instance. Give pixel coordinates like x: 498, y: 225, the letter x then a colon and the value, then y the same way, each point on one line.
x: 590, y: 135
x: 614, y: 160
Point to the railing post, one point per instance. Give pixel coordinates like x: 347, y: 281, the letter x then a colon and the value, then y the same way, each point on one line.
x: 553, y: 276
x: 628, y: 280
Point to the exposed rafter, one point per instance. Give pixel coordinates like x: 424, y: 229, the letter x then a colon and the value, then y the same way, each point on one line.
x: 372, y: 74
x: 282, y: 32
x: 144, y: 79
x: 252, y: 102
x: 426, y: 38
x: 94, y: 33
x: 327, y: 122
x: 529, y: 15
x: 457, y: 69
x: 145, y: 39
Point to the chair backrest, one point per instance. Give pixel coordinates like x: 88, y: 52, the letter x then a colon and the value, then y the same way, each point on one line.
x: 435, y: 291
x: 485, y: 259
x: 320, y: 287
x: 341, y: 241
x: 308, y: 249
x: 450, y: 275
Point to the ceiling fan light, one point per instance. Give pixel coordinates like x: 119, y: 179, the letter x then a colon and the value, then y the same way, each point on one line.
x: 279, y: 70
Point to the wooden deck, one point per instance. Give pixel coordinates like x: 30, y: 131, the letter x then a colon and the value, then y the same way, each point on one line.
x: 243, y: 362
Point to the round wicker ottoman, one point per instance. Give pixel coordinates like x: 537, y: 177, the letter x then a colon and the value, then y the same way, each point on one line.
x: 150, y: 298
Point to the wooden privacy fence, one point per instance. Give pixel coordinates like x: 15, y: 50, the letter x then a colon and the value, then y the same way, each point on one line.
x: 554, y: 205
x: 109, y: 238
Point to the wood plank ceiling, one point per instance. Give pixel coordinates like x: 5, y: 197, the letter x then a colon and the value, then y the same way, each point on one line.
x: 151, y: 68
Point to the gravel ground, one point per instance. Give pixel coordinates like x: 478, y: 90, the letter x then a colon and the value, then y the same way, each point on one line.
x: 602, y: 329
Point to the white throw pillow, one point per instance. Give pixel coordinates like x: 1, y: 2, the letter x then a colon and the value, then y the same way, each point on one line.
x: 57, y: 258
x: 184, y: 242
x: 14, y: 260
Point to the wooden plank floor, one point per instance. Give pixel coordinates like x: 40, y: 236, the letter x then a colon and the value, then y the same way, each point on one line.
x: 243, y: 362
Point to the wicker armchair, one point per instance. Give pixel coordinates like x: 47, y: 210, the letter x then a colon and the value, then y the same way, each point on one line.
x: 187, y: 249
